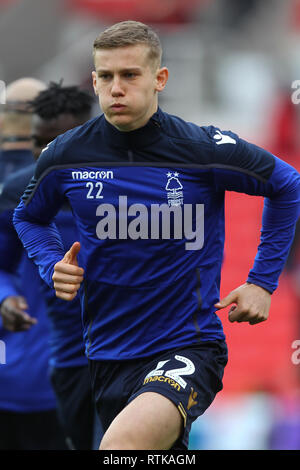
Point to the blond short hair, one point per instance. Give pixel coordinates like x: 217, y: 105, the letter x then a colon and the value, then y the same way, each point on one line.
x: 130, y: 33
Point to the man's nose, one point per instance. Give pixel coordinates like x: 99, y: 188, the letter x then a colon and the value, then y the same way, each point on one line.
x: 117, y: 89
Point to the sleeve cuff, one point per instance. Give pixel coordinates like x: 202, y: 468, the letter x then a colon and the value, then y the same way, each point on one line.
x: 262, y: 284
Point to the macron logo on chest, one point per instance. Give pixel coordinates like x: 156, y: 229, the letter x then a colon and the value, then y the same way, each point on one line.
x: 92, y: 175
x: 223, y: 139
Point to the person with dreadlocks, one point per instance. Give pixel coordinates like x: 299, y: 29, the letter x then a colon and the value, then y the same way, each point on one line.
x: 55, y: 110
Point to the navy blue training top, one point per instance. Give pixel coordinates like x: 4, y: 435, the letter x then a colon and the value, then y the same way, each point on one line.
x: 150, y: 284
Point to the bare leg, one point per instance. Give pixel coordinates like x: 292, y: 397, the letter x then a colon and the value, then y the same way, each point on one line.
x: 150, y: 422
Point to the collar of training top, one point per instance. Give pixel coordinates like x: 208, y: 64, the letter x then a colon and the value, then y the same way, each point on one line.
x: 138, y: 138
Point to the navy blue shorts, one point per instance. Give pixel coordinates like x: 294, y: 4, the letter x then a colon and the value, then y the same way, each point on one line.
x: 189, y: 376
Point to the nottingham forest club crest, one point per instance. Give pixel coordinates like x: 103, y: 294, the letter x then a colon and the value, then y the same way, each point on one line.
x: 174, y: 190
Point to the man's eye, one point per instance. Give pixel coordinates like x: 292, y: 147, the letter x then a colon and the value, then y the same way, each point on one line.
x: 104, y: 76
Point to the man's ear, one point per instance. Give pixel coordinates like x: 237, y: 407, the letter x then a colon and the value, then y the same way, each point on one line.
x: 94, y: 79
x: 162, y: 76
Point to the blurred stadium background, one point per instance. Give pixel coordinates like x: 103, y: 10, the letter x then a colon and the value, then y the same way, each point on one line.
x: 232, y: 64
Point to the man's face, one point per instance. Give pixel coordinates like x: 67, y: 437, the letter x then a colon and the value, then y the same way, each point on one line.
x: 46, y: 130
x: 127, y: 85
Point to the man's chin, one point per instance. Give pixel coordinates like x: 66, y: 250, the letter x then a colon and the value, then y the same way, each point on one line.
x: 122, y: 123
x: 127, y: 122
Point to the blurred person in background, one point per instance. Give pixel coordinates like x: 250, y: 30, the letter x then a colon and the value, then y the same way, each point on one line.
x: 27, y: 400
x: 156, y: 346
x: 15, y: 125
x: 55, y: 110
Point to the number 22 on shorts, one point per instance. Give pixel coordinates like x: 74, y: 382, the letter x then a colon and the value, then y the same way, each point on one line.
x: 175, y: 374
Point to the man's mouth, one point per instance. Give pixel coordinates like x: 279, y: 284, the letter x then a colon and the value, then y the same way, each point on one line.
x: 118, y: 106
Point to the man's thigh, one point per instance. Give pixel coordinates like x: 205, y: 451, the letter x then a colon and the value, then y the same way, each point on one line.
x: 149, y: 422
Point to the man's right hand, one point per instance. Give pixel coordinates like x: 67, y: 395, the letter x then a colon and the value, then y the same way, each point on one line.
x: 14, y: 316
x: 67, y: 275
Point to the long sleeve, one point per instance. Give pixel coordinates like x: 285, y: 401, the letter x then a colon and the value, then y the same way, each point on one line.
x: 38, y: 234
x: 252, y: 170
x: 280, y: 214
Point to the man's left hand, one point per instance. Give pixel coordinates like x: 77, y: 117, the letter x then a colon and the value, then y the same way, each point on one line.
x: 252, y: 304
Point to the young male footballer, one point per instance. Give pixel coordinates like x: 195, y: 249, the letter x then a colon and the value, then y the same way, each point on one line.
x: 147, y: 193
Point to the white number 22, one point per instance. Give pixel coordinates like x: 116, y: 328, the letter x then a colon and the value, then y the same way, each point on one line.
x: 174, y: 374
x: 90, y: 194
